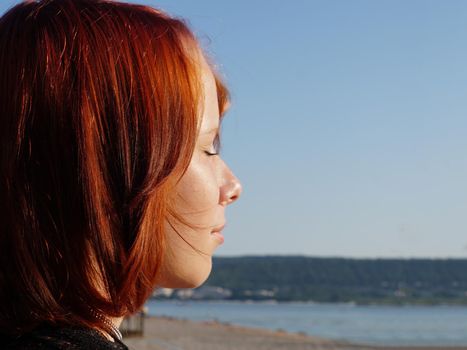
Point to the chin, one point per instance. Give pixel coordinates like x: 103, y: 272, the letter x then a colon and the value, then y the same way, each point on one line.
x: 192, y: 277
x: 192, y: 284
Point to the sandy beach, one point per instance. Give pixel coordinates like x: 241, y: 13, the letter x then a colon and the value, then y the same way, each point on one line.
x: 165, y: 333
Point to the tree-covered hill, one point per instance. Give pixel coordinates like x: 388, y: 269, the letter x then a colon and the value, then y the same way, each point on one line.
x: 342, y: 280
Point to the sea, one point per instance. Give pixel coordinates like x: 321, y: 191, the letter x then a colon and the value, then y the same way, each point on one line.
x: 374, y: 325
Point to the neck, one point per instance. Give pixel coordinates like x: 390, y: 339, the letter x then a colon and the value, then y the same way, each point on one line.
x: 117, y: 321
x: 112, y: 323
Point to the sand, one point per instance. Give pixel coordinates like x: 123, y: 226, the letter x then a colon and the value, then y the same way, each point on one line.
x: 165, y: 333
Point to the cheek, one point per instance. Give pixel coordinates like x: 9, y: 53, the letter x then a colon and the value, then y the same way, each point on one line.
x: 198, y: 189
x: 183, y: 267
x: 197, y: 201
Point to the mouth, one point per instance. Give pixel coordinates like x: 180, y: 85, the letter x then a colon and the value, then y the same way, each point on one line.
x: 217, y: 233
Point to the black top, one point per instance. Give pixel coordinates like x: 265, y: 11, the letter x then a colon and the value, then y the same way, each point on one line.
x: 47, y: 338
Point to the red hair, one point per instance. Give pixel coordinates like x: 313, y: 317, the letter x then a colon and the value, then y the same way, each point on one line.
x: 98, y: 120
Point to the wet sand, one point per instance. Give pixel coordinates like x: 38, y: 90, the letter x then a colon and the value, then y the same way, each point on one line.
x: 165, y: 333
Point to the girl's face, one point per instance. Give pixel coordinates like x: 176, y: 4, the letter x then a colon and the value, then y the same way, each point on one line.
x: 200, y: 198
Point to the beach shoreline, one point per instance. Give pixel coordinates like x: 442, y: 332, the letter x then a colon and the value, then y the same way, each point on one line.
x: 168, y: 333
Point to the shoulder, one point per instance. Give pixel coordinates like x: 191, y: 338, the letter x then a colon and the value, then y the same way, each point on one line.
x: 62, y: 339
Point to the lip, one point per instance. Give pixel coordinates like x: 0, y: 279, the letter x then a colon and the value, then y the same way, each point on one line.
x: 218, y: 236
x: 217, y: 233
x: 218, y: 228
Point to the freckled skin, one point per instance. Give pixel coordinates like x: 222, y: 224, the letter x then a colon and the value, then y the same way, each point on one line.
x: 201, y: 198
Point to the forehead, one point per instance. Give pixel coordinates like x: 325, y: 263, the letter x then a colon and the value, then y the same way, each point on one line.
x: 210, y: 106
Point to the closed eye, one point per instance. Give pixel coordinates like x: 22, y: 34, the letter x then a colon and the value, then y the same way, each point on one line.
x: 211, y: 154
x: 215, y: 147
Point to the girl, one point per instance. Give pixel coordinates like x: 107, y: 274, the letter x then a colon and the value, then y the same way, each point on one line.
x: 111, y: 183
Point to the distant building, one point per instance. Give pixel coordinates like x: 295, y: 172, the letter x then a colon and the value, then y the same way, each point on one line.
x: 263, y: 293
x: 211, y: 292
x: 184, y: 293
x: 400, y: 293
x: 163, y: 292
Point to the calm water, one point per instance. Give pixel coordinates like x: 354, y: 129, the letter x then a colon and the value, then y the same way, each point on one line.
x: 385, y: 325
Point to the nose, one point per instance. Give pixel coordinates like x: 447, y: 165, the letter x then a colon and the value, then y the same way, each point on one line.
x: 231, y: 187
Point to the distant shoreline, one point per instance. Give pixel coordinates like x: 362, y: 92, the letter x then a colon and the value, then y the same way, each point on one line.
x: 363, y: 281
x: 311, y: 302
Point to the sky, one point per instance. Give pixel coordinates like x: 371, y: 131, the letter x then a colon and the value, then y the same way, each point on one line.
x: 348, y: 125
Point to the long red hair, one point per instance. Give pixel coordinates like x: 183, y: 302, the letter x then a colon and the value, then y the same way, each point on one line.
x: 98, y: 120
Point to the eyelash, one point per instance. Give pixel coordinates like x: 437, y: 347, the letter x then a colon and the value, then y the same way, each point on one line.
x: 211, y: 154
x: 215, y: 146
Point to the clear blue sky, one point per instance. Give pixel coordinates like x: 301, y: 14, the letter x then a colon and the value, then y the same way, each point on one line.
x: 348, y: 127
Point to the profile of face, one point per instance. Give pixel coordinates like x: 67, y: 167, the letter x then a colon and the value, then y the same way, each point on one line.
x: 200, y: 198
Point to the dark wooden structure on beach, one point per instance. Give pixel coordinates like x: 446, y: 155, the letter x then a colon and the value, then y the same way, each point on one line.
x: 133, y: 326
